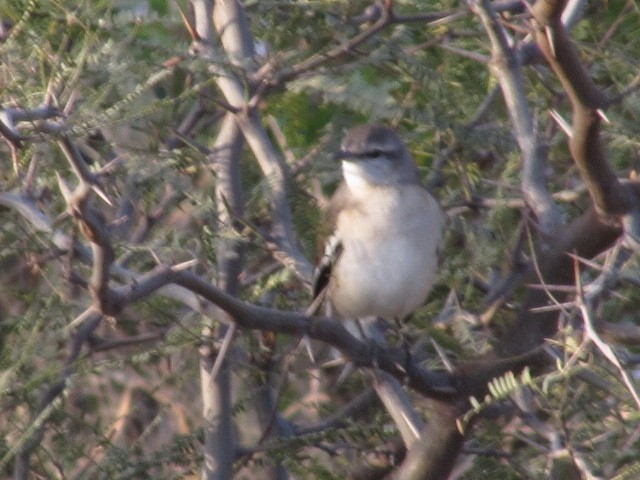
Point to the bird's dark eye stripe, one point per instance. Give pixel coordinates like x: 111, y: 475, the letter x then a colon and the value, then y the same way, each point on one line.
x: 373, y: 153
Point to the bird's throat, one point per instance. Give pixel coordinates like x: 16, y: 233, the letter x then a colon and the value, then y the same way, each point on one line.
x: 356, y: 178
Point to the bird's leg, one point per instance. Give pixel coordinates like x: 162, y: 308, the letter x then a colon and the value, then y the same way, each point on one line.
x: 361, y: 330
x: 358, y: 329
x: 373, y: 335
x: 404, y: 344
x: 404, y: 341
x: 310, y: 312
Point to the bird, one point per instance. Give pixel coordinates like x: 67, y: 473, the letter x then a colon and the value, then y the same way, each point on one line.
x: 380, y: 258
x: 385, y: 231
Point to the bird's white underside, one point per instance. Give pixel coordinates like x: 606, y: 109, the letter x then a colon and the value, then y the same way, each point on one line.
x: 391, y: 276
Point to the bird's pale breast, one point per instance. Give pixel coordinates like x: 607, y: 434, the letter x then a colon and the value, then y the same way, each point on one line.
x: 391, y: 276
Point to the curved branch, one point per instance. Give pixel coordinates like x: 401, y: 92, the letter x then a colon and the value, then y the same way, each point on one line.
x: 434, y: 455
x: 607, y: 193
x: 395, y: 361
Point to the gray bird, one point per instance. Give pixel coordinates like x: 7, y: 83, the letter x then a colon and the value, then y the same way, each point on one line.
x: 381, y: 258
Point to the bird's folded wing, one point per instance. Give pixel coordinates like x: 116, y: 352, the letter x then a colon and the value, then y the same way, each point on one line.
x: 331, y: 246
x: 322, y: 274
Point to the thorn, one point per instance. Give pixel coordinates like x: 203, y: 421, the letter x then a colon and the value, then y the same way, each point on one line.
x: 333, y: 363
x: 110, y: 166
x: 155, y: 257
x: 222, y: 351
x: 549, y: 34
x: 172, y: 62
x: 307, y: 345
x: 443, y: 356
x: 80, y: 319
x: 71, y: 102
x: 562, y: 123
x: 187, y: 23
x: 587, y: 262
x: 401, y: 368
x: 184, y: 265
x: 603, y: 116
x: 101, y: 194
x: 344, y: 374
x: 64, y: 188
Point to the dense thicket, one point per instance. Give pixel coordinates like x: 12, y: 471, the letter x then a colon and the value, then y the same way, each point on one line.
x: 164, y: 165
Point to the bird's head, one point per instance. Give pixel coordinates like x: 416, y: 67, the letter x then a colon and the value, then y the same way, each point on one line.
x: 374, y: 155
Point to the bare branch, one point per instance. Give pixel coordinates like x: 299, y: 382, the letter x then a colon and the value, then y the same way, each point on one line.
x: 313, y: 62
x: 270, y: 162
x: 393, y: 361
x: 11, y: 117
x: 610, y: 196
x: 605, y: 349
x: 507, y: 68
x: 92, y: 226
x: 215, y: 377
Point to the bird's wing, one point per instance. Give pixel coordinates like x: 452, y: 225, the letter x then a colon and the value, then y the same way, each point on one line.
x: 329, y: 250
x: 322, y: 273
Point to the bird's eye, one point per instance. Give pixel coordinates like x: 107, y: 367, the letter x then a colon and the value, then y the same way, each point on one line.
x: 376, y: 153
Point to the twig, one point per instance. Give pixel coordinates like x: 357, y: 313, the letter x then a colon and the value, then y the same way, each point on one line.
x: 592, y: 335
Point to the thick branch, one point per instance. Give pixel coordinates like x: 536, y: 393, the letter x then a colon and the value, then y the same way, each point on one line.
x: 217, y: 414
x: 433, y: 456
x: 587, y: 237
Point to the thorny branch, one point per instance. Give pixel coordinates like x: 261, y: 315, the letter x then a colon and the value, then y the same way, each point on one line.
x: 269, y: 160
x: 590, y: 234
x: 508, y: 69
